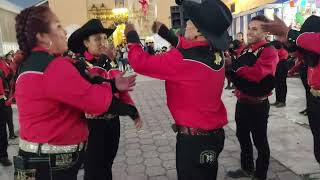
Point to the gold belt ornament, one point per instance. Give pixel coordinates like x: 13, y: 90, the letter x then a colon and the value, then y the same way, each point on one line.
x: 315, y: 92
x: 48, y: 148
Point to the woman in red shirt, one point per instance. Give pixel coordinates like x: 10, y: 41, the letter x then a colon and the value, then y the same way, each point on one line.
x: 90, y: 42
x: 52, y: 93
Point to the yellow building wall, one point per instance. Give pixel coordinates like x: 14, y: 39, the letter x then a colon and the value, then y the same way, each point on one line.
x: 245, y: 5
x: 70, y: 12
x: 76, y: 11
x: 163, y: 11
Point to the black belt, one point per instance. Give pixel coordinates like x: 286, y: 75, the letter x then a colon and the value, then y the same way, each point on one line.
x: 253, y: 100
x: 194, y: 131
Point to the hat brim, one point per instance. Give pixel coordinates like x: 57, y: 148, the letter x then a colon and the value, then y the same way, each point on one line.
x: 75, y: 41
x: 218, y: 42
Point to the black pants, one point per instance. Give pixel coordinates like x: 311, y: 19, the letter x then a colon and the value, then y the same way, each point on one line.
x: 253, y: 118
x: 314, y: 121
x: 197, y: 156
x: 48, y: 167
x: 304, y: 79
x: 102, y: 148
x: 9, y: 119
x: 3, y: 133
x: 281, y: 81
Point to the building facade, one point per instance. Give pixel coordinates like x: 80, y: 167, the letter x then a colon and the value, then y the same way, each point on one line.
x: 77, y: 12
x: 8, y: 41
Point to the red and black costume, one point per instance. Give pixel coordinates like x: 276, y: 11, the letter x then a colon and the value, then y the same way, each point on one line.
x: 194, y: 77
x: 4, y: 114
x: 9, y: 70
x: 253, y: 75
x: 104, y: 135
x: 104, y: 130
x: 281, y: 74
x: 52, y: 95
x: 308, y: 42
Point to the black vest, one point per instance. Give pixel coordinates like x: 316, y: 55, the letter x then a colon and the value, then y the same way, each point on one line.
x: 250, y: 88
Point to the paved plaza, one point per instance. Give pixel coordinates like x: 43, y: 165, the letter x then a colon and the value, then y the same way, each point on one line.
x: 149, y: 154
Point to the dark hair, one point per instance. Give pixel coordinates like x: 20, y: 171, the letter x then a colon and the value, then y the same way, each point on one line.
x: 240, y: 33
x: 7, y: 55
x: 29, y: 22
x: 260, y: 18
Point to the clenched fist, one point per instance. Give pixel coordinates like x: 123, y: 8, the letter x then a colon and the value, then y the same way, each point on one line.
x: 156, y: 26
x: 129, y: 27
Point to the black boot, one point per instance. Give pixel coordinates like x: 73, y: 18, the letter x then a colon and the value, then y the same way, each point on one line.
x: 13, y: 136
x: 239, y: 173
x: 304, y: 112
x: 280, y: 105
x: 275, y: 103
x: 5, y: 162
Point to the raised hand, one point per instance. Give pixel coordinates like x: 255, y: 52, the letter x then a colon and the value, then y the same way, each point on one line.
x: 129, y: 27
x: 125, y: 83
x: 156, y: 26
x: 277, y: 27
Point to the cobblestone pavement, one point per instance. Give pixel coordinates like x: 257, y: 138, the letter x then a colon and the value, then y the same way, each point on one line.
x: 149, y: 154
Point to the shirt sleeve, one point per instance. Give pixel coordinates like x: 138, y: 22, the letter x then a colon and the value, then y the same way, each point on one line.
x: 265, y: 65
x: 309, y: 41
x: 123, y: 96
x: 1, y: 87
x: 65, y: 84
x: 164, y: 66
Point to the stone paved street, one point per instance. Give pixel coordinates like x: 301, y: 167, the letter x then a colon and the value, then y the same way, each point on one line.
x: 149, y: 154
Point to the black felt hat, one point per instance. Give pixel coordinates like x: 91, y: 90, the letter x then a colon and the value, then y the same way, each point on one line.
x: 212, y: 18
x: 312, y: 24
x: 93, y: 26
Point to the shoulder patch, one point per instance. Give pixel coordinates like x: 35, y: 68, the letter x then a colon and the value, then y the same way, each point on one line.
x: 205, y: 55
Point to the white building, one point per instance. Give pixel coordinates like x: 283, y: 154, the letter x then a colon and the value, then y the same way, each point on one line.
x: 8, y: 12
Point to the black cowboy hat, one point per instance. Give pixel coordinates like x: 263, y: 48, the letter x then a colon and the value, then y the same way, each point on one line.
x: 93, y: 26
x: 212, y: 18
x: 312, y: 24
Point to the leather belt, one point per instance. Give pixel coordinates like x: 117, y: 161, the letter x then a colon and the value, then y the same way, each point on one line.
x: 194, y: 131
x: 48, y: 148
x: 314, y: 92
x: 104, y: 116
x: 252, y: 100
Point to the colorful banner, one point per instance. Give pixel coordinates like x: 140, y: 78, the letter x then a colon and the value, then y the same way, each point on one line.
x: 303, y: 3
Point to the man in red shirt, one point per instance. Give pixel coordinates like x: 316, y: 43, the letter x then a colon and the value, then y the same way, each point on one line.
x: 194, y: 77
x: 255, y: 66
x: 281, y: 75
x: 7, y: 65
x: 3, y: 114
x: 307, y: 41
x: 241, y: 45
